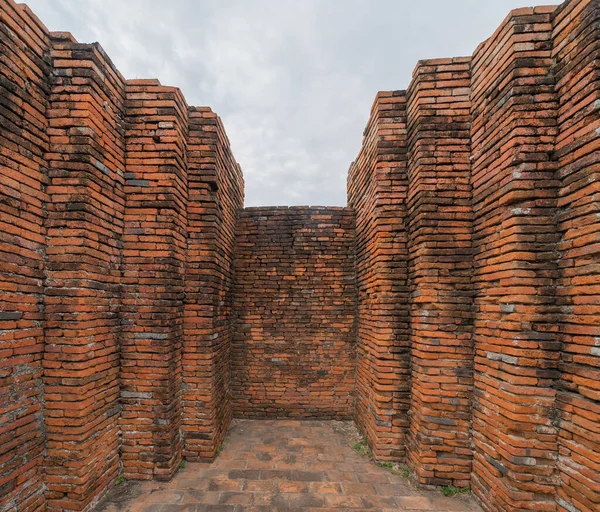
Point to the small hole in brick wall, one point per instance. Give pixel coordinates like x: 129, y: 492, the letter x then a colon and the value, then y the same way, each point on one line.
x: 213, y: 186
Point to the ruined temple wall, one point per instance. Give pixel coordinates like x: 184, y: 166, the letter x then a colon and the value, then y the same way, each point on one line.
x: 24, y: 90
x: 85, y: 218
x: 293, y: 347
x: 154, y: 256
x: 216, y: 196
x: 452, y: 309
x: 576, y: 56
x: 95, y: 198
x: 502, y: 224
x: 377, y: 188
x: 440, y: 262
x: 515, y: 264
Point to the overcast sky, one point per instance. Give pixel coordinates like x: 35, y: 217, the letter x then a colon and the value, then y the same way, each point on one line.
x: 293, y: 80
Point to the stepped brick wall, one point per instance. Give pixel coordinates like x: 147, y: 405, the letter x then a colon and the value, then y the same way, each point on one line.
x: 377, y: 188
x: 440, y: 262
x: 496, y: 189
x: 294, y: 300
x: 453, y: 308
x: 118, y: 204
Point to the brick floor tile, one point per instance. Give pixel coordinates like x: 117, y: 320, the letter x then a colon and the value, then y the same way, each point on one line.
x: 295, y: 487
x: 338, y: 500
x: 242, y: 498
x: 342, y: 476
x: 166, y: 496
x: 325, y: 487
x: 373, y: 478
x: 286, y: 466
x: 259, y: 485
x: 414, y: 502
x: 244, y: 474
x: 225, y: 485
x: 394, y: 490
x: 357, y: 488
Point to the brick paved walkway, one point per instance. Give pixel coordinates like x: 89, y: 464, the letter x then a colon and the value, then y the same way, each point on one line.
x: 282, y: 466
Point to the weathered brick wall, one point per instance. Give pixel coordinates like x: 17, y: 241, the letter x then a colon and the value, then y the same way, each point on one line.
x: 576, y: 55
x: 453, y: 309
x: 377, y: 188
x: 215, y: 196
x: 84, y: 227
x: 24, y: 90
x: 154, y: 245
x: 502, y: 228
x: 439, y: 227
x: 293, y: 347
x: 514, y: 201
x: 95, y: 272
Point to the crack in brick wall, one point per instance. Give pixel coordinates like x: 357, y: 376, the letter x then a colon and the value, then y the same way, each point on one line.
x: 452, y: 309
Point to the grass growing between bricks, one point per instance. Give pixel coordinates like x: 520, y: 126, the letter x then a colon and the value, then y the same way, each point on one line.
x: 395, y: 468
x: 450, y: 490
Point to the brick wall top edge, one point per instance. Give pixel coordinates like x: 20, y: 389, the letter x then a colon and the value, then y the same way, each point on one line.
x: 67, y: 37
x: 143, y: 81
x: 380, y: 97
x: 438, y: 62
x: 200, y: 109
x: 26, y: 9
x: 251, y: 209
x: 567, y: 8
x: 62, y: 36
x: 516, y: 13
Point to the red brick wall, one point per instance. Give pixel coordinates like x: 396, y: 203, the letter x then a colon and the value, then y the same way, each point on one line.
x: 502, y: 224
x: 514, y: 201
x: 84, y: 226
x: 24, y: 71
x: 154, y: 245
x: 576, y: 53
x: 453, y: 309
x: 215, y: 196
x: 440, y: 263
x: 377, y: 187
x: 94, y: 236
x: 293, y: 347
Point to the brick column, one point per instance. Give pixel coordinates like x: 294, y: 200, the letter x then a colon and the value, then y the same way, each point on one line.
x: 576, y: 54
x: 514, y: 199
x: 440, y: 269
x: 215, y: 196
x: 154, y: 244
x: 84, y: 228
x: 377, y: 184
x: 24, y: 71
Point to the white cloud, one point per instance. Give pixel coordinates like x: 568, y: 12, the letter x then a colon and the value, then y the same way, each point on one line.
x: 293, y: 80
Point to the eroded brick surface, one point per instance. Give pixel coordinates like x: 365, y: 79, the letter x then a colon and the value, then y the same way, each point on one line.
x: 294, y: 301
x: 452, y: 309
x: 377, y: 188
